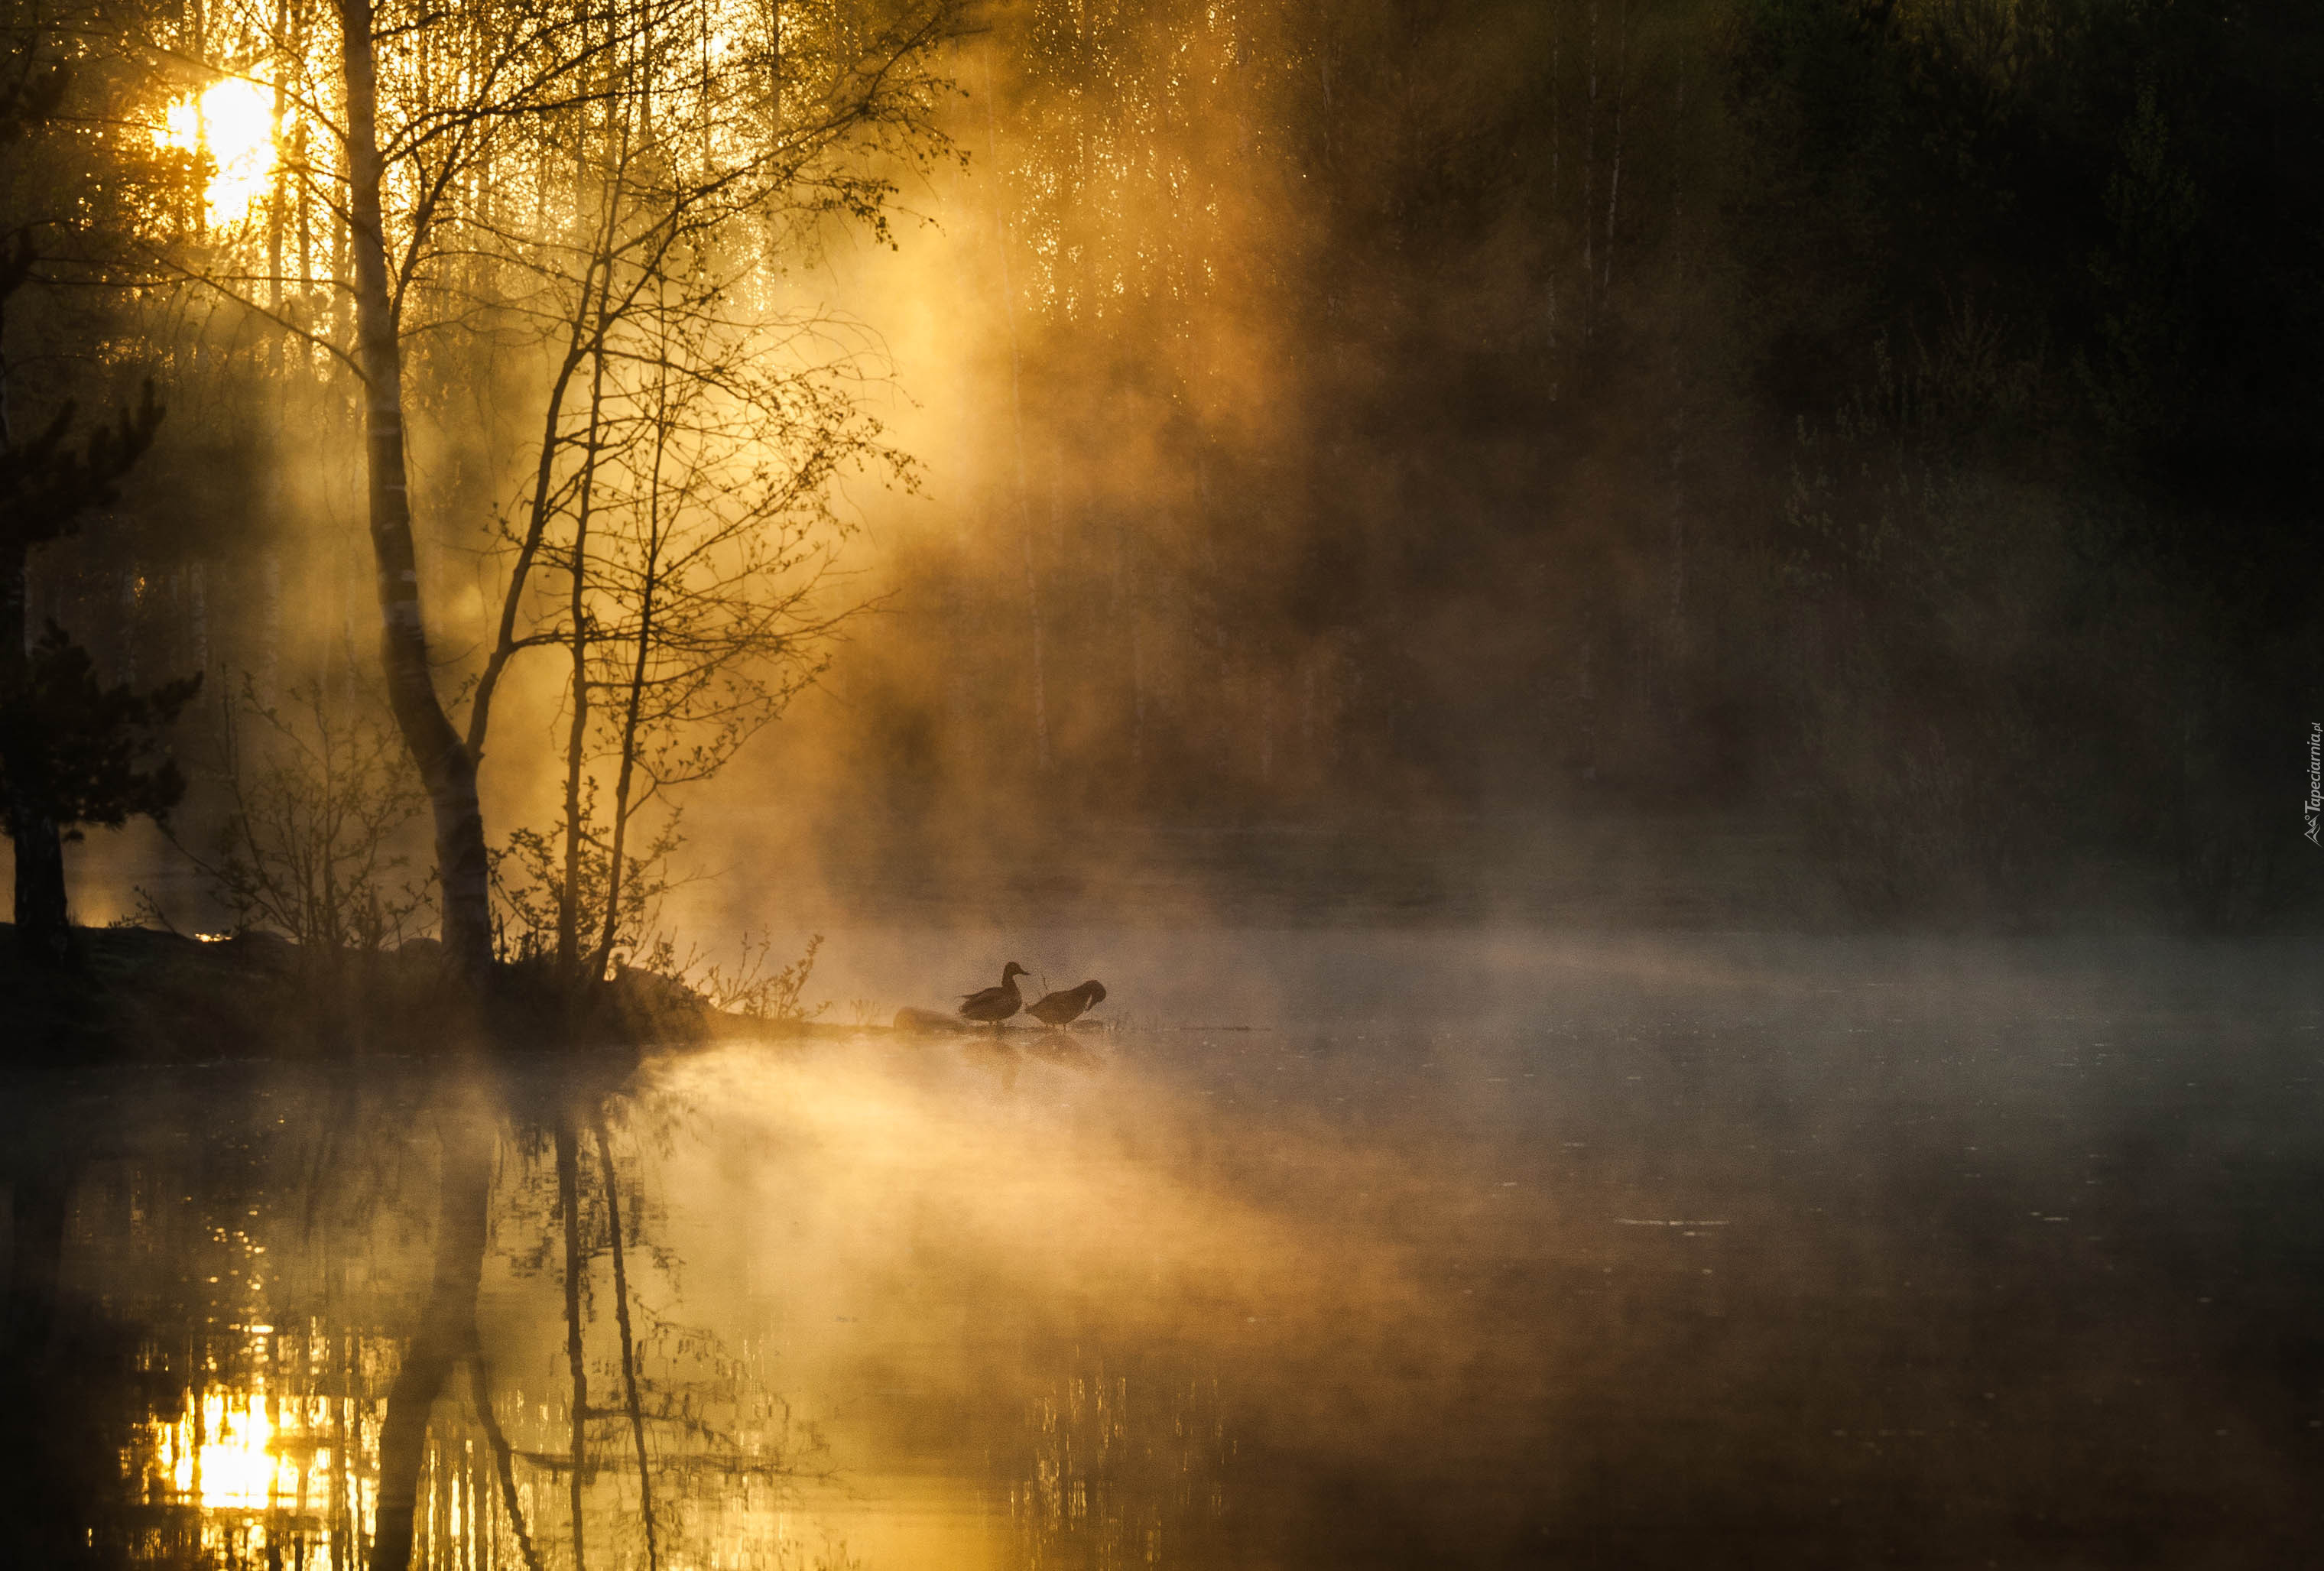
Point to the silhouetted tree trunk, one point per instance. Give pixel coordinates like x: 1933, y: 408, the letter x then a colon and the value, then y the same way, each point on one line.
x: 40, y: 884
x: 1681, y: 315
x: 446, y: 1331
x: 626, y: 772
x: 1266, y: 723
x: 197, y: 604
x: 61, y: 731
x: 1307, y: 696
x: 1614, y: 177
x: 480, y: 1383
x: 568, y: 1200
x: 1587, y: 688
x: 568, y: 895
x: 443, y: 760
x: 1590, y: 180
x: 629, y: 1346
x: 40, y: 892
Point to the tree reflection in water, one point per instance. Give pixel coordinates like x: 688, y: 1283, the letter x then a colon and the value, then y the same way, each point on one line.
x: 1652, y: 1288
x: 310, y: 1336
x: 1125, y: 1470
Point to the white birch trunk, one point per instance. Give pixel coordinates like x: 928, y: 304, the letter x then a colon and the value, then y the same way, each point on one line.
x: 443, y: 760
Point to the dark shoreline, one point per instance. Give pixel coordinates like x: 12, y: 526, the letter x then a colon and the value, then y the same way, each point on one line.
x: 136, y: 995
x: 139, y: 996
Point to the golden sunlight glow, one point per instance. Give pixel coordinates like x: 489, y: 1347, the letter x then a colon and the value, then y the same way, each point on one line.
x: 225, y: 1455
x: 274, y: 1470
x: 234, y: 121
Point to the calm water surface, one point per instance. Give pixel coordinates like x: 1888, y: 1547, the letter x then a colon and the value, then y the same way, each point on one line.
x: 1332, y: 1250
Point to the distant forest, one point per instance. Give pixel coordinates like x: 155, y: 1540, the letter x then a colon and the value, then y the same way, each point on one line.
x: 1900, y: 421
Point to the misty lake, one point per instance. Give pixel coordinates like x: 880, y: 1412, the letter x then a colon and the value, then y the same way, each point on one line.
x: 1326, y: 1248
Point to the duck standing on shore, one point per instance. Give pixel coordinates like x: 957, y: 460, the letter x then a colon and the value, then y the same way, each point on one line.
x: 995, y: 1004
x: 1063, y: 1008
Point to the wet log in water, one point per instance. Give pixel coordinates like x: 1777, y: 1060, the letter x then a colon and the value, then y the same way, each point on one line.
x: 909, y: 1019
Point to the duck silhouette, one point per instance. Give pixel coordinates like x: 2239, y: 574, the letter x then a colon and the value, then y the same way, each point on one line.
x: 1062, y: 1008
x: 995, y: 1004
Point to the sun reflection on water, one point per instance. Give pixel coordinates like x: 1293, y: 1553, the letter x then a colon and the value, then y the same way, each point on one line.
x: 920, y: 1313
x: 222, y: 1454
x: 257, y: 1461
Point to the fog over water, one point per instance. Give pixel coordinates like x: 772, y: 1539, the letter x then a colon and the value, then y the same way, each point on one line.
x: 1507, y: 1248
x: 1663, y: 653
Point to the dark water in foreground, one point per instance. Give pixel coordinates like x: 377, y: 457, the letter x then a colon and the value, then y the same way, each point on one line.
x: 1463, y: 1249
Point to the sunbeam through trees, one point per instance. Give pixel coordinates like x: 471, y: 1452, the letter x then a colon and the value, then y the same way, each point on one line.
x: 1664, y: 650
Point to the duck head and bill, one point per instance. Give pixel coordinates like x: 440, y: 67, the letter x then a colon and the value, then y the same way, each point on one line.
x: 995, y: 1004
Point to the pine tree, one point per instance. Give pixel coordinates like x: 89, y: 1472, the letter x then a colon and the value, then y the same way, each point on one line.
x: 73, y: 750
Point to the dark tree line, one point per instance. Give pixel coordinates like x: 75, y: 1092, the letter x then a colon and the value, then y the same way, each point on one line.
x: 75, y: 748
x: 1895, y: 420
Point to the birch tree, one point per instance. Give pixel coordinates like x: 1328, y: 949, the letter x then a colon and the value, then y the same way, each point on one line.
x: 645, y: 138
x: 412, y: 104
x: 692, y: 422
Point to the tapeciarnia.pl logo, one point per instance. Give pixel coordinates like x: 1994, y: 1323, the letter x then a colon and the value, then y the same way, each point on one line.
x: 2315, y: 803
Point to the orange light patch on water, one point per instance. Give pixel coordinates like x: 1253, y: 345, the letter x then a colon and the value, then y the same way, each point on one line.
x: 223, y: 1453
